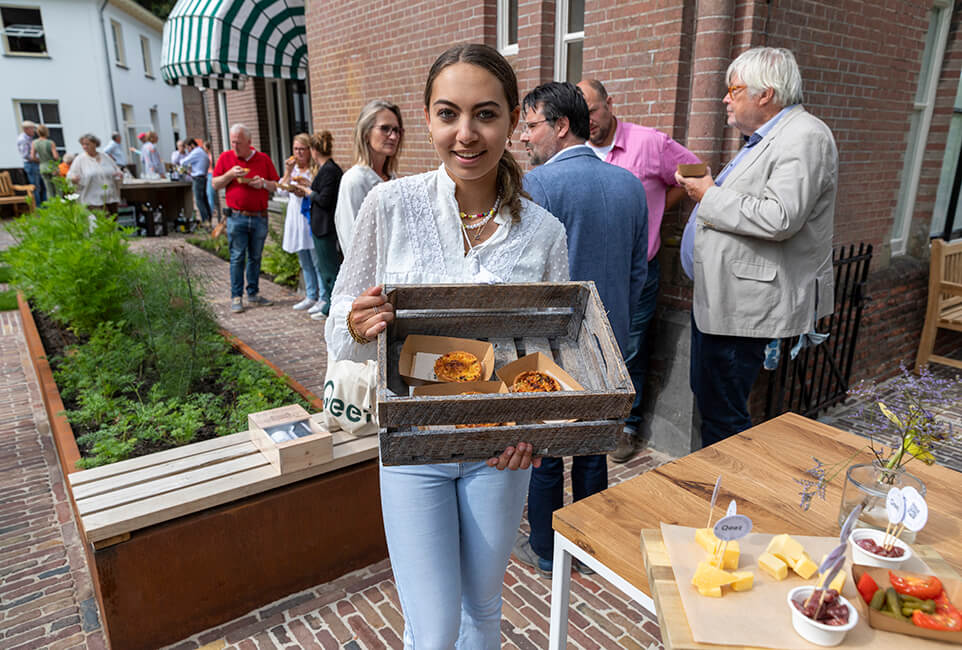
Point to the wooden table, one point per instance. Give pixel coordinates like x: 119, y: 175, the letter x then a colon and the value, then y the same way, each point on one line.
x: 171, y: 196
x: 758, y: 467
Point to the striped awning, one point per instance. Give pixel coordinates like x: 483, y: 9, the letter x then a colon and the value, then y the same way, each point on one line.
x: 219, y: 43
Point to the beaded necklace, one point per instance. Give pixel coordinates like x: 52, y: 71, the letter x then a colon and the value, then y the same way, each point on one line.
x: 484, y: 216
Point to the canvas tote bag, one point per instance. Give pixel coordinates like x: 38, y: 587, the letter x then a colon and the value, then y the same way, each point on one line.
x: 349, y: 398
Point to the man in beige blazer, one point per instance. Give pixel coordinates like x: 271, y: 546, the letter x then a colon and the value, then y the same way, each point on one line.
x: 758, y: 245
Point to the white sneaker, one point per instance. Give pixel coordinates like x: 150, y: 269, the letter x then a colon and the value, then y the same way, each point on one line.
x: 304, y: 304
x: 318, y: 306
x: 318, y: 315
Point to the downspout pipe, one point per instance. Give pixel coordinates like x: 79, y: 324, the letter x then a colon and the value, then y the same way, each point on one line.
x: 110, y: 76
x: 714, y: 22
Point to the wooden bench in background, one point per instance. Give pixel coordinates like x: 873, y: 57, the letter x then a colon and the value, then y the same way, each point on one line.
x: 944, y: 310
x: 9, y: 193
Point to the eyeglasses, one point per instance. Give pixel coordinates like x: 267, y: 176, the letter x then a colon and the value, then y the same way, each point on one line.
x: 527, y: 127
x: 389, y: 130
x: 732, y: 89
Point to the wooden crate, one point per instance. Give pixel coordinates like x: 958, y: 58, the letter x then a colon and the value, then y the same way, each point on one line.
x: 315, y: 448
x: 565, y: 321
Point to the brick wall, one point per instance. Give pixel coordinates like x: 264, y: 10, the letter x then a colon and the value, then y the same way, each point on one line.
x: 249, y: 107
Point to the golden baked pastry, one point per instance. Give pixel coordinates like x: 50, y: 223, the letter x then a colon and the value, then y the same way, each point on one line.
x: 457, y: 366
x: 535, y: 381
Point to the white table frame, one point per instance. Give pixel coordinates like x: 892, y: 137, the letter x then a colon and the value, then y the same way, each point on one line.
x: 564, y: 550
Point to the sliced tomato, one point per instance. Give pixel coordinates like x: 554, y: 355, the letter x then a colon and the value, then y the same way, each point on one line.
x: 946, y: 617
x: 923, y: 587
x: 867, y: 587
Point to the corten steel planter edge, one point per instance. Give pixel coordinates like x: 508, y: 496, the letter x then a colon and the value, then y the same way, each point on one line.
x: 254, y: 355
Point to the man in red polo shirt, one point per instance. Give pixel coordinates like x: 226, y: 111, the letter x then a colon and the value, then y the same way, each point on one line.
x: 250, y: 179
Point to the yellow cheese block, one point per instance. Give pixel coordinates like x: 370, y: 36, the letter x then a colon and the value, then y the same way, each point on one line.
x: 725, y: 556
x: 714, y: 592
x: 785, y: 549
x: 837, y: 583
x: 705, y: 537
x: 708, y: 577
x: 804, y: 566
x: 773, y: 566
x: 744, y: 580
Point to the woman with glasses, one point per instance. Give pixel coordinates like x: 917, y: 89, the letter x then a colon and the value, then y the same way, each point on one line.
x: 450, y: 526
x: 377, y: 145
x: 299, y: 172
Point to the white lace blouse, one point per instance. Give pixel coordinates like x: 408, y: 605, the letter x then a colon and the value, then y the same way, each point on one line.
x: 408, y: 232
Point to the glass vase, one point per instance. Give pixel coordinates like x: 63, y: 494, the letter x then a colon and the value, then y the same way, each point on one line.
x: 869, y: 484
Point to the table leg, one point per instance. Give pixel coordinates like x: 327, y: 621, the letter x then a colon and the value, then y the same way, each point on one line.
x: 560, y: 588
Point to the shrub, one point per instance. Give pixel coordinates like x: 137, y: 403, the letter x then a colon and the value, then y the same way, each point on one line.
x: 282, y: 265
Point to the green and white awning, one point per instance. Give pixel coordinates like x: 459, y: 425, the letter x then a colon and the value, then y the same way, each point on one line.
x: 219, y: 43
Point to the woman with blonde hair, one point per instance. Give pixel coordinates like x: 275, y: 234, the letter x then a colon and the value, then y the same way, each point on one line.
x: 378, y: 135
x: 299, y: 171
x: 153, y: 167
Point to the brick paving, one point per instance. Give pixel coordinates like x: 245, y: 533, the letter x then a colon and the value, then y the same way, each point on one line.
x: 41, y: 556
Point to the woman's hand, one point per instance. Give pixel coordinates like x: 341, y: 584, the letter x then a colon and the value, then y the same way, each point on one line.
x: 299, y: 190
x: 516, y: 458
x: 371, y: 313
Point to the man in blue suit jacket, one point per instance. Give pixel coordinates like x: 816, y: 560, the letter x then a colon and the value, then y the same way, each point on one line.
x: 604, y: 210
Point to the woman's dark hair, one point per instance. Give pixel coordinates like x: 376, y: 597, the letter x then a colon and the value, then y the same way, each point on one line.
x: 487, y: 58
x: 560, y: 99
x: 323, y: 143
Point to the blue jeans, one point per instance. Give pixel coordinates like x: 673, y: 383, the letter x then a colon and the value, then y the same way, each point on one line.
x: 327, y: 261
x: 312, y: 278
x: 723, y: 369
x: 449, y: 531
x: 589, y: 475
x: 33, y: 177
x: 213, y: 200
x: 246, y: 237
x: 639, y: 340
x: 200, y: 197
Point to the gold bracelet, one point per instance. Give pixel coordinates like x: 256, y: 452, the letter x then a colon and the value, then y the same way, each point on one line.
x: 353, y: 332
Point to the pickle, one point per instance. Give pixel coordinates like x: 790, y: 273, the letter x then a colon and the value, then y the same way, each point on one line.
x: 878, y: 600
x: 892, y: 602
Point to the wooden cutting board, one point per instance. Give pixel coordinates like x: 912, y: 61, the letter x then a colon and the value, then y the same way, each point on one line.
x: 675, y: 632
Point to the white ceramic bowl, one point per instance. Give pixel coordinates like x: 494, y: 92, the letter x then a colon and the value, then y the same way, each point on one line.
x: 819, y: 633
x: 861, y: 556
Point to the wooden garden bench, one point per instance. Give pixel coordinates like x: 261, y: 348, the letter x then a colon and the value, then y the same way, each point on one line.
x: 944, y: 309
x: 9, y: 193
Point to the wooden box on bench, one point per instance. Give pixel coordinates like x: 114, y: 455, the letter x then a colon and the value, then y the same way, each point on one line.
x: 312, y: 445
x: 564, y: 321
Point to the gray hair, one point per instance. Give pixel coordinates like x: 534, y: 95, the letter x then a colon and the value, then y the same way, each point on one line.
x: 27, y: 124
x: 91, y: 137
x: 769, y: 67
x: 114, y: 135
x: 242, y: 128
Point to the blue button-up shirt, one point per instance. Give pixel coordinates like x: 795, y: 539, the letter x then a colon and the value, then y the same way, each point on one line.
x: 688, y: 238
x: 196, y: 161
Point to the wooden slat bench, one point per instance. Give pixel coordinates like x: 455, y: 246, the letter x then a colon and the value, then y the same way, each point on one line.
x: 187, y: 539
x: 9, y: 196
x: 944, y: 310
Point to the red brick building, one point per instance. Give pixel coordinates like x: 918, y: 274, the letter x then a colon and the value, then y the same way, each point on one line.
x: 883, y: 74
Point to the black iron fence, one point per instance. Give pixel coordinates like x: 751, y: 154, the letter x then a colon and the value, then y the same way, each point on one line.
x: 819, y: 376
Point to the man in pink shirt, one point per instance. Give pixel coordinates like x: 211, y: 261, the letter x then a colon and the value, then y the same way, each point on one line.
x: 653, y: 157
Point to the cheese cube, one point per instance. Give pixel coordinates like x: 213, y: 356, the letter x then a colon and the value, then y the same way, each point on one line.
x: 725, y: 556
x: 785, y: 549
x: 705, y: 537
x: 708, y: 577
x: 804, y: 566
x: 772, y: 566
x: 837, y: 583
x: 714, y: 592
x: 744, y: 580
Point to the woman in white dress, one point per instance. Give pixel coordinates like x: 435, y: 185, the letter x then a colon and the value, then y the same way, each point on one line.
x: 377, y: 138
x: 450, y: 527
x: 299, y: 171
x: 96, y: 176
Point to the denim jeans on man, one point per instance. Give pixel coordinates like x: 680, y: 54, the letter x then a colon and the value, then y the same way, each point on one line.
x: 246, y: 236
x: 200, y: 197
x: 449, y: 532
x: 589, y: 474
x: 327, y: 261
x: 639, y: 341
x: 312, y: 279
x: 723, y: 369
x: 32, y: 170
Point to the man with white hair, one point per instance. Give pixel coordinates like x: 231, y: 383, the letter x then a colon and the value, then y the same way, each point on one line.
x: 30, y: 166
x: 758, y: 246
x: 249, y: 178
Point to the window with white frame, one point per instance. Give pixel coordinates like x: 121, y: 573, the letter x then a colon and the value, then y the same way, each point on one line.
x: 508, y: 26
x: 130, y: 126
x: 175, y: 126
x: 154, y: 120
x: 120, y: 54
x: 46, y: 112
x: 23, y: 31
x: 940, y: 18
x: 145, y: 54
x: 569, y: 40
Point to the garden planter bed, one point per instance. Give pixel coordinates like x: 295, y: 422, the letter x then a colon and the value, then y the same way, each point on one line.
x: 176, y: 548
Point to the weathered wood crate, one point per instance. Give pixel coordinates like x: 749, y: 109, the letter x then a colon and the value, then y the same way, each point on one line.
x: 565, y: 321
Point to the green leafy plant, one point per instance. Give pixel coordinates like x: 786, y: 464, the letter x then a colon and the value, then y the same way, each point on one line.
x: 284, y: 266
x: 216, y: 245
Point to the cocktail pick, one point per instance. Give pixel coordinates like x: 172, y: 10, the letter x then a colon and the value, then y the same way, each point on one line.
x: 839, y: 563
x: 827, y: 564
x: 849, y: 523
x: 894, y: 510
x: 714, y: 497
x: 916, y: 512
